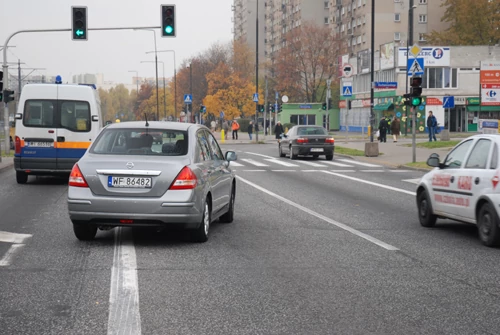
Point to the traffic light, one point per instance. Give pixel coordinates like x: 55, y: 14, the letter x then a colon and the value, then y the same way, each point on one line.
x: 349, y: 104
x: 280, y: 108
x: 79, y: 23
x: 271, y: 107
x: 167, y: 20
x: 330, y: 104
x: 261, y: 108
x: 416, y: 91
x: 1, y: 86
x: 323, y: 107
x: 8, y: 95
x: 407, y: 99
x: 202, y: 109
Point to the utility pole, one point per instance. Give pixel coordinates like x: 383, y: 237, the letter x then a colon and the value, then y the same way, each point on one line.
x: 372, y: 72
x: 328, y: 96
x: 20, y: 80
x: 413, y: 111
x: 191, y: 88
x: 257, y: 65
x: 265, y: 111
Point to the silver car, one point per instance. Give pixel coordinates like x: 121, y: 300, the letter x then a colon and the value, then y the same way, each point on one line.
x: 124, y: 179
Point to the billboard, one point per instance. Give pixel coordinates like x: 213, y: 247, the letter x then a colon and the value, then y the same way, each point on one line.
x: 387, y: 56
x: 490, y: 83
x: 433, y: 56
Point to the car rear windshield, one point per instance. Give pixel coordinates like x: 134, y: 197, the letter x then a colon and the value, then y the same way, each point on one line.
x: 148, y: 142
x: 311, y: 131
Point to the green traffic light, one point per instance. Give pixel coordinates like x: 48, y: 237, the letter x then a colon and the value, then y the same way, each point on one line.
x: 169, y: 29
x: 79, y: 32
x: 416, y: 101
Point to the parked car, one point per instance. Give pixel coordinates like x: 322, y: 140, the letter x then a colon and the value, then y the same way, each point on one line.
x: 307, y: 141
x: 464, y: 187
x: 126, y: 180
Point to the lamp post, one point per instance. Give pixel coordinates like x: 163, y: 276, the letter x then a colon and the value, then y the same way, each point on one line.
x: 136, y: 79
x: 164, y: 92
x: 409, y: 40
x: 191, y: 86
x: 156, y: 65
x: 372, y: 72
x: 175, y: 82
x: 257, y: 68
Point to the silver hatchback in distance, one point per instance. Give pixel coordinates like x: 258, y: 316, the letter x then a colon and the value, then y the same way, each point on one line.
x: 128, y: 177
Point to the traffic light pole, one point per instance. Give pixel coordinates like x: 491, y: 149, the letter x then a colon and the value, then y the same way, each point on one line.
x: 257, y: 67
x: 5, y: 66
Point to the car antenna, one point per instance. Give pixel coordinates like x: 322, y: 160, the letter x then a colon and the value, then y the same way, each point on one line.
x: 146, y: 117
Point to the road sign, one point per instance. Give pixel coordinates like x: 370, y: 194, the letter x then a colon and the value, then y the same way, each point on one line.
x: 284, y: 98
x: 188, y: 99
x: 415, y: 50
x: 448, y: 102
x: 416, y: 66
x: 384, y: 84
x: 490, y: 83
x: 347, y: 70
x: 204, y: 109
x: 347, y: 89
x: 277, y: 96
x: 328, y: 82
x: 256, y: 97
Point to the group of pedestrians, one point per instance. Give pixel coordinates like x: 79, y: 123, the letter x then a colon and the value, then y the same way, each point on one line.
x: 386, y: 126
x: 235, y: 127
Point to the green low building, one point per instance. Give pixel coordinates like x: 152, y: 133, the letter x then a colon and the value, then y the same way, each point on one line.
x: 310, y: 114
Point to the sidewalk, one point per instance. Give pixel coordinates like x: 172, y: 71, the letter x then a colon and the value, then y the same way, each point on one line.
x: 6, y: 163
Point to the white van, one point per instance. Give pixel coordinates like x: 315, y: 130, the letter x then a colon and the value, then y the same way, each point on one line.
x: 55, y: 125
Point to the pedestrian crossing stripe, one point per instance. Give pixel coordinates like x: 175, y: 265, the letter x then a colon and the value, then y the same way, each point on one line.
x: 415, y: 68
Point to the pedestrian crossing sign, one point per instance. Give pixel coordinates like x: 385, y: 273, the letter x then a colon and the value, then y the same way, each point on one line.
x: 188, y: 98
x: 347, y: 91
x: 415, y: 66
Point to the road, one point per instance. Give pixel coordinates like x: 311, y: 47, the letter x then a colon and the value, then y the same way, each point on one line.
x: 315, y: 248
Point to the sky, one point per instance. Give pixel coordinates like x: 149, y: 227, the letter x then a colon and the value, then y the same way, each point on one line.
x: 199, y: 24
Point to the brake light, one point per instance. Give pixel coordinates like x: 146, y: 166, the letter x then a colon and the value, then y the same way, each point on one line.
x: 185, y: 180
x: 330, y: 140
x: 18, y: 145
x: 76, y: 177
x: 126, y: 221
x: 302, y: 140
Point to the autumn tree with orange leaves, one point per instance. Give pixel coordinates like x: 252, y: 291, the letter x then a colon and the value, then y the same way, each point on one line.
x: 306, y: 62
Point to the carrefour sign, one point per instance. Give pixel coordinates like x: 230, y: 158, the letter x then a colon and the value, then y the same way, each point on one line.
x: 433, y: 56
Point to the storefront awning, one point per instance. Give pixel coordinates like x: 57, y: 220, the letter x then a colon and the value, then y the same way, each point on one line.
x: 475, y: 108
x: 384, y: 107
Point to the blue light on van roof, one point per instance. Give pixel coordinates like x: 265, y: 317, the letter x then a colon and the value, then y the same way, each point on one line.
x: 58, y: 79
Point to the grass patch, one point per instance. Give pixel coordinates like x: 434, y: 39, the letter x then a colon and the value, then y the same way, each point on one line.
x: 11, y: 154
x: 348, y: 151
x: 435, y: 145
x: 420, y: 165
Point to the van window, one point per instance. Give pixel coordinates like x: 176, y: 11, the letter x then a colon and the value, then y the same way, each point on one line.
x: 75, y: 115
x: 40, y: 113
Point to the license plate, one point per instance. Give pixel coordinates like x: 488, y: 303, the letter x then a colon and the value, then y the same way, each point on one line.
x: 317, y: 150
x: 129, y: 182
x: 40, y: 144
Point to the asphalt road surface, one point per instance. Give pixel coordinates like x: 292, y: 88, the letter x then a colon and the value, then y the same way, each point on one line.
x: 316, y: 247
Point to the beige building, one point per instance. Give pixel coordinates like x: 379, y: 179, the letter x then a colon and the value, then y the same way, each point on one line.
x: 244, y: 24
x: 351, y: 19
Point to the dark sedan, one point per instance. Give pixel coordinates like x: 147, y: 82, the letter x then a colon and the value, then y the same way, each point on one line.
x: 307, y: 141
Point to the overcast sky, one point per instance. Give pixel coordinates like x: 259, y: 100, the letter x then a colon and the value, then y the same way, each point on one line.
x: 200, y: 23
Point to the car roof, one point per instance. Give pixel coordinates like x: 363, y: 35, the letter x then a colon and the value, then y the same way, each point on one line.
x: 494, y: 137
x: 154, y: 125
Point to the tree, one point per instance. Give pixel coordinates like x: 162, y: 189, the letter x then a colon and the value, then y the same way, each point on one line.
x: 306, y: 62
x: 471, y: 23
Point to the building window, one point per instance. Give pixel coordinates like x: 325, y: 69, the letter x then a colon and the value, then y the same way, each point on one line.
x: 423, y: 2
x: 397, y: 36
x: 327, y: 4
x: 397, y: 17
x: 326, y: 20
x: 421, y: 37
x: 422, y: 18
x: 342, y: 27
x: 359, y: 39
x: 440, y: 78
x: 359, y: 3
x: 343, y: 10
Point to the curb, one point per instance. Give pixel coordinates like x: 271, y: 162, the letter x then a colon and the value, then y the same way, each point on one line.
x: 385, y: 163
x: 6, y: 167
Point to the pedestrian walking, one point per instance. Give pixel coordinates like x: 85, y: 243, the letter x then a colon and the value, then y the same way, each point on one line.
x: 235, y: 127
x: 212, y: 126
x: 431, y: 126
x: 389, y: 129
x: 278, y: 130
x: 225, y: 126
x: 395, y: 128
x: 382, y: 127
x: 250, y: 129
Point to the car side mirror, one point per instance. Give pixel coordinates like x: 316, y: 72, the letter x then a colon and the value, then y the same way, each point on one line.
x: 231, y: 156
x: 18, y: 116
x: 433, y: 160
x: 95, y: 118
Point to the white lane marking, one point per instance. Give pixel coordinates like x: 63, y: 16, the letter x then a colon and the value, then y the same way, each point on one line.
x: 344, y: 171
x: 281, y: 162
x: 284, y: 170
x: 233, y: 163
x: 413, y: 181
x: 251, y: 161
x: 359, y: 163
x: 124, y: 316
x: 7, y: 258
x: 13, y: 237
x: 371, y: 183
x: 253, y: 170
x: 309, y: 170
x: 311, y: 164
x: 261, y: 155
x: 372, y: 170
x: 322, y: 217
x: 336, y: 164
x: 401, y: 171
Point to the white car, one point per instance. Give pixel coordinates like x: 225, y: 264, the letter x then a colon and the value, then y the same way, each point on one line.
x: 464, y: 187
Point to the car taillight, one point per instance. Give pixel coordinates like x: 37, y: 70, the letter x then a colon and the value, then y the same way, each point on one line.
x: 185, y: 180
x: 302, y: 140
x: 330, y: 140
x: 18, y: 145
x: 76, y: 177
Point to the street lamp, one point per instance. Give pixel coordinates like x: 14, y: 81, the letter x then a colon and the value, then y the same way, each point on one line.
x: 156, y: 62
x: 191, y: 87
x: 175, y: 81
x: 136, y: 79
x: 164, y: 92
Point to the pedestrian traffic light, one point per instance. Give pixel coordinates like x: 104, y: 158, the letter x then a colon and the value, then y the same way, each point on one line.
x: 202, y: 109
x: 349, y: 104
x: 407, y: 99
x: 167, y: 20
x: 323, y: 107
x: 1, y: 86
x: 261, y: 108
x: 8, y: 95
x: 416, y: 91
x: 79, y: 23
x: 280, y: 108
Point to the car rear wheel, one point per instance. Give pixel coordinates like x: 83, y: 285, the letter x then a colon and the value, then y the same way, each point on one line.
x: 292, y: 155
x: 84, y: 232
x: 229, y: 216
x: 200, y: 234
x: 21, y: 177
x: 280, y: 151
x: 329, y: 157
x: 425, y: 216
x: 487, y: 223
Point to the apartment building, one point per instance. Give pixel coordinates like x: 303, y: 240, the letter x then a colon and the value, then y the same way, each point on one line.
x: 244, y: 24
x: 351, y: 19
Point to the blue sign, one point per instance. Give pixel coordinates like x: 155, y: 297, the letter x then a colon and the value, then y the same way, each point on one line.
x: 384, y: 84
x: 221, y: 114
x: 188, y: 99
x: 398, y: 114
x: 448, y: 102
x: 204, y: 109
x: 347, y: 91
x: 415, y: 66
x: 277, y: 96
x: 490, y: 124
x: 256, y: 97
x: 305, y: 107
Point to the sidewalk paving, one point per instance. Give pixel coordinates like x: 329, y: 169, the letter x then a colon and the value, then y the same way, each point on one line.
x: 6, y: 163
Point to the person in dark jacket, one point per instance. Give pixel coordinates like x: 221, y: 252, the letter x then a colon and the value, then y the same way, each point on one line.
x: 382, y: 127
x: 431, y: 126
x: 278, y: 130
x: 395, y: 128
x: 250, y: 130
